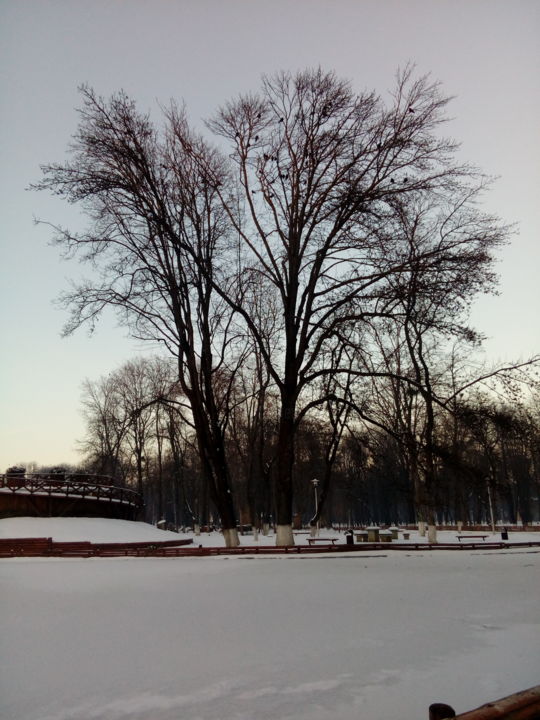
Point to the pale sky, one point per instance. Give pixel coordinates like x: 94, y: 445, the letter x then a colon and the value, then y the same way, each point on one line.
x: 485, y: 52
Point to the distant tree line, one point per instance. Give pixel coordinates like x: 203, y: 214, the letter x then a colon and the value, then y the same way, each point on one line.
x: 487, y: 454
x: 309, y: 271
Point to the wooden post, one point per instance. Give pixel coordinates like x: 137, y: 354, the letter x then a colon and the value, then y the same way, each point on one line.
x: 440, y: 711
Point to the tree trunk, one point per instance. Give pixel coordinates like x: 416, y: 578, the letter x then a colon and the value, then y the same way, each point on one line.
x: 211, y: 448
x: 230, y: 535
x: 139, y: 461
x: 159, y: 445
x: 285, y: 464
x: 284, y: 535
x: 221, y: 496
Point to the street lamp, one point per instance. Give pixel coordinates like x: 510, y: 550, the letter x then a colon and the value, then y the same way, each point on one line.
x: 315, y: 483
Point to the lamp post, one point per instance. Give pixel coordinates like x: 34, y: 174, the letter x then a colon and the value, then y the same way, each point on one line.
x: 315, y: 483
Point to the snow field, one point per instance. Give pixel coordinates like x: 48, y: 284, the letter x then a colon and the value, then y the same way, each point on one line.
x: 372, y: 635
x: 72, y: 529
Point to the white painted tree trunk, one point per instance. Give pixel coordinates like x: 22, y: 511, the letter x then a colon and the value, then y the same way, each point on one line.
x: 197, y: 529
x: 432, y: 534
x: 255, y: 535
x: 459, y: 526
x: 313, y: 531
x: 231, y: 537
x: 266, y: 529
x: 421, y: 528
x: 284, y: 535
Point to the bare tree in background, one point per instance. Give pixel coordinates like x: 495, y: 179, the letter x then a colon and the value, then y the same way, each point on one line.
x: 106, y: 427
x: 134, y: 395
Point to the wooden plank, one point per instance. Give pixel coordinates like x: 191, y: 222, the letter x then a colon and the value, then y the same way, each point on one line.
x: 524, y: 705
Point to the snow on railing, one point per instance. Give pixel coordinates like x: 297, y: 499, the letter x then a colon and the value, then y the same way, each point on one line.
x: 96, y: 487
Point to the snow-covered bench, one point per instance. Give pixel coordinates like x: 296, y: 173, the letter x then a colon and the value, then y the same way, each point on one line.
x: 471, y: 537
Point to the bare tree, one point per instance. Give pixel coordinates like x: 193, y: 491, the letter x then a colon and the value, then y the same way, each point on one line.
x: 322, y: 175
x: 107, y: 423
x: 134, y: 397
x: 316, y: 206
x: 157, y: 229
x: 450, y: 247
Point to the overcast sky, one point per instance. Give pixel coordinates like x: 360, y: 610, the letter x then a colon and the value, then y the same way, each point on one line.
x: 486, y: 53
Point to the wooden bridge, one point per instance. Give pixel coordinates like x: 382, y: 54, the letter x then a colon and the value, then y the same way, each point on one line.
x: 58, y: 493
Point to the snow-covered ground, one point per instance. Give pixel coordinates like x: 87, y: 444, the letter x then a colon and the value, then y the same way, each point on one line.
x: 365, y: 635
x: 72, y: 529
x: 68, y: 529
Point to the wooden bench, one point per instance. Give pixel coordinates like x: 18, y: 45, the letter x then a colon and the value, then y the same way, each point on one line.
x: 71, y: 549
x: 139, y: 549
x: 142, y: 545
x: 471, y: 537
x: 24, y: 547
x: 327, y: 541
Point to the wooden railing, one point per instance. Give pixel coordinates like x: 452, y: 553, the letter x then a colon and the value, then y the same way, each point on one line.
x: 95, y: 487
x: 524, y: 705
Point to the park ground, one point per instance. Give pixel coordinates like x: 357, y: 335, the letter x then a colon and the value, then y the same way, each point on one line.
x: 364, y: 635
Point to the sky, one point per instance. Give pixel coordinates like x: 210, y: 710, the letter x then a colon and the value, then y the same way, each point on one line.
x: 484, y: 52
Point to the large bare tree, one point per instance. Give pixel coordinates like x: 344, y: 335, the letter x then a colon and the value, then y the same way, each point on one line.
x: 308, y: 207
x: 156, y: 228
x: 322, y: 177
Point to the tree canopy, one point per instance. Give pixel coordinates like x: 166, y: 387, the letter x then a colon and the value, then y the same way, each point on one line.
x: 316, y: 223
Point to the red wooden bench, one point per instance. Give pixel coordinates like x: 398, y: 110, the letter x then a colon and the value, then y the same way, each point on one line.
x: 72, y: 549
x: 21, y: 547
x: 144, y: 544
x: 138, y: 549
x: 17, y: 547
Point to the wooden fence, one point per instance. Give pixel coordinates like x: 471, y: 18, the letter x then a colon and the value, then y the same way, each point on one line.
x: 23, y: 547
